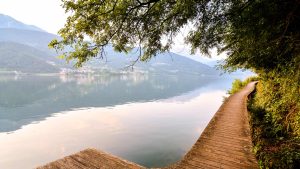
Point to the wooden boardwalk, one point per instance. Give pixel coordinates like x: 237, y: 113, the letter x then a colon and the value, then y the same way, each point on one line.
x: 225, y: 143
x: 91, y: 159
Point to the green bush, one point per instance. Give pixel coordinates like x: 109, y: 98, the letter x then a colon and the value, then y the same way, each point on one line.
x: 275, y: 120
x: 237, y: 84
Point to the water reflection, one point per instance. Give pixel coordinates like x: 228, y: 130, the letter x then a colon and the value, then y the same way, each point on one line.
x: 26, y: 99
x: 151, y: 120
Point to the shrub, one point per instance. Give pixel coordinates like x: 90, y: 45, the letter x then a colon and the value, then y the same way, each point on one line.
x: 275, y: 121
x: 237, y: 84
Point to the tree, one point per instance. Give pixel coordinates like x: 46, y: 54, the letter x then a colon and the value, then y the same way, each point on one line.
x: 262, y: 35
x: 257, y: 34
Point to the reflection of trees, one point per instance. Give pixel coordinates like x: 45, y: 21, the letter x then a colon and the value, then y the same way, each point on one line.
x: 80, y: 79
x: 133, y: 79
x: 103, y: 79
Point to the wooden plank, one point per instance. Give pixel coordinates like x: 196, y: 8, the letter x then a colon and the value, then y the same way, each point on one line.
x: 91, y: 159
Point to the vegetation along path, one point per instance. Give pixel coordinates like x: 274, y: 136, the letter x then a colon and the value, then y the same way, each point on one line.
x: 225, y: 143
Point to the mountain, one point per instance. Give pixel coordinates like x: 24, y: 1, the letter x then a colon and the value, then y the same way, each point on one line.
x: 31, y: 38
x: 22, y: 58
x: 25, y: 48
x: 9, y: 22
x: 27, y: 40
x: 164, y: 62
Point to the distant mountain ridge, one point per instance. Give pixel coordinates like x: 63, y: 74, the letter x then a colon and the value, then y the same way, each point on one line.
x: 31, y: 38
x: 9, y: 22
x: 22, y: 58
x: 171, y: 63
x: 24, y: 48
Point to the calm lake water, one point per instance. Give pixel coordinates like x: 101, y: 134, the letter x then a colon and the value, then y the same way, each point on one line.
x: 148, y: 119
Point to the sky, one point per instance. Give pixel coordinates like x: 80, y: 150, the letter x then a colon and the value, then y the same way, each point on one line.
x: 45, y: 14
x: 50, y: 16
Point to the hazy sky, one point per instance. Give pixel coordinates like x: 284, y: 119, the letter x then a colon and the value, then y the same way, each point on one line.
x: 46, y: 14
x: 50, y: 16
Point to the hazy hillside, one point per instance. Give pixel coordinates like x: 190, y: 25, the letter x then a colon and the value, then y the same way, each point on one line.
x: 18, y: 57
x: 9, y: 22
x: 162, y: 63
x: 165, y: 62
x: 39, y: 40
x: 35, y: 56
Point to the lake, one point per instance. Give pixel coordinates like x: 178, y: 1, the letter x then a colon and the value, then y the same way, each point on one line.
x: 152, y: 120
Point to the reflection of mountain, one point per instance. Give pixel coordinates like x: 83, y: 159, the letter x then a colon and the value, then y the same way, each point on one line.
x: 26, y: 99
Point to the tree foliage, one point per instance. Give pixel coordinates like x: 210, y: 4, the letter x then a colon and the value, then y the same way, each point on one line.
x: 258, y: 34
